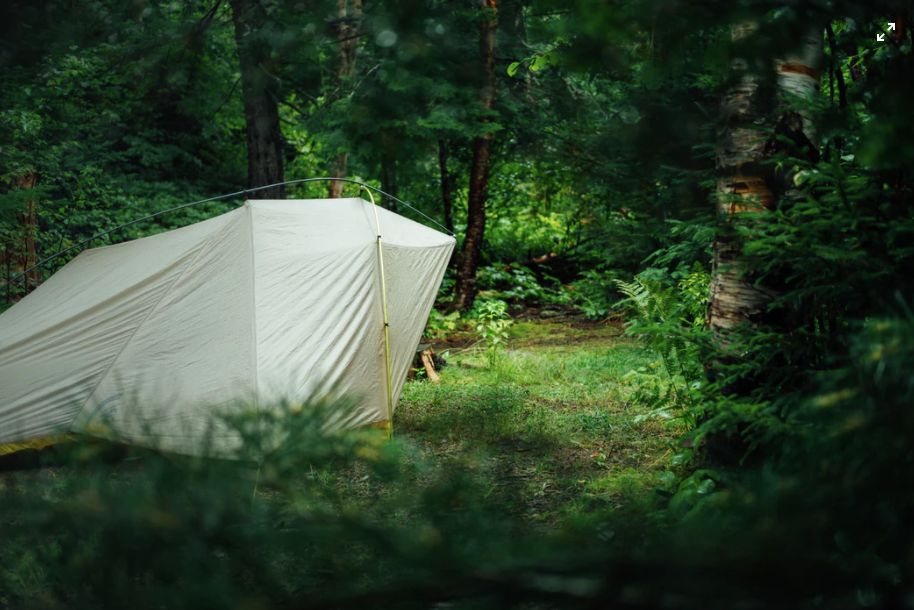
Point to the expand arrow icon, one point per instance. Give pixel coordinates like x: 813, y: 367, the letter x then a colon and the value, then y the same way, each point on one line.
x: 892, y: 26
x: 880, y: 37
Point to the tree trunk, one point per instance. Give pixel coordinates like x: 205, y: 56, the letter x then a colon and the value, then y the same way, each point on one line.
x: 349, y: 14
x: 465, y: 289
x: 19, y: 252
x: 29, y: 233
x: 795, y: 133
x: 338, y: 169
x: 837, y: 73
x: 745, y: 184
x: 446, y: 200
x: 260, y: 93
x: 389, y: 181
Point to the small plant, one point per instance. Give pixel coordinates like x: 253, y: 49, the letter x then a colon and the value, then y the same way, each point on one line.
x: 492, y: 326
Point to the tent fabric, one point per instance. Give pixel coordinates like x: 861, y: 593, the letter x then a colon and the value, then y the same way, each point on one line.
x: 275, y: 302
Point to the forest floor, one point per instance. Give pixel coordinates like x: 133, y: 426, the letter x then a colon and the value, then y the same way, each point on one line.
x: 558, y: 422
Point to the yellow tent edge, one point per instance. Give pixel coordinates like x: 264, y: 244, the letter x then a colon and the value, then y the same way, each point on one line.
x: 46, y: 441
x: 35, y: 443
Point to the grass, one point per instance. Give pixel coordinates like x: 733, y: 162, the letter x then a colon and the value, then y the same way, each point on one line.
x: 558, y: 419
x: 554, y: 435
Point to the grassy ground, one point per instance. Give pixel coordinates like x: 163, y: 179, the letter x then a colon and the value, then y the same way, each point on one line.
x: 554, y: 434
x: 556, y: 420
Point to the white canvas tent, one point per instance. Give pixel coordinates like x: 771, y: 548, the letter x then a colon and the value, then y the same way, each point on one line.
x: 275, y: 301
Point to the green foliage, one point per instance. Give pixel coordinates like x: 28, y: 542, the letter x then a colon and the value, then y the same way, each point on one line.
x: 606, y: 118
x: 518, y: 285
x: 667, y: 310
x: 835, y: 252
x: 307, y: 516
x: 596, y: 293
x: 492, y: 324
x: 440, y: 325
x: 310, y: 517
x: 309, y: 512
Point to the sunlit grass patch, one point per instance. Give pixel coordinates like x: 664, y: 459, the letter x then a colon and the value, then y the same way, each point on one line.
x: 558, y: 407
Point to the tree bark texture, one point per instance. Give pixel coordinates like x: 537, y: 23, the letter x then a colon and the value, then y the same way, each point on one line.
x: 349, y: 15
x: 745, y: 183
x: 259, y: 89
x: 465, y: 289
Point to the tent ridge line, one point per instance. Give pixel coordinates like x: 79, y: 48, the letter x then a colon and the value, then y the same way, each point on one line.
x: 201, y: 248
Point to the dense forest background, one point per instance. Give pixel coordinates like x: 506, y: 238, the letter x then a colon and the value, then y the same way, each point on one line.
x: 733, y: 180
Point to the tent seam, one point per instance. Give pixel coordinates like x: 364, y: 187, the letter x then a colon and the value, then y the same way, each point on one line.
x: 201, y: 248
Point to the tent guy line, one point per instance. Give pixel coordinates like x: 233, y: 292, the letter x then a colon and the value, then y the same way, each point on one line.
x: 89, y: 240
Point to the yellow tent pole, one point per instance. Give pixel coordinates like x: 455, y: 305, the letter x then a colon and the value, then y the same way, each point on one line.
x: 390, y: 390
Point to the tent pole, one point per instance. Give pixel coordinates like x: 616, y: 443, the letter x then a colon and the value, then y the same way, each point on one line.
x: 390, y: 391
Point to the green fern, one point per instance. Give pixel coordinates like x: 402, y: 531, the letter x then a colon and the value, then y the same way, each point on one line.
x: 668, y: 315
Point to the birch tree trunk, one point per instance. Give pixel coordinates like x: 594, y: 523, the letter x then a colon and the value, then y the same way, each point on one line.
x: 349, y: 15
x: 741, y: 186
x: 465, y: 289
x: 260, y: 93
x: 745, y: 183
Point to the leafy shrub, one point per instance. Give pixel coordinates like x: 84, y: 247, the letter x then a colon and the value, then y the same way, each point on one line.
x: 301, y: 514
x: 596, y: 293
x: 492, y: 326
x: 440, y: 325
x: 667, y: 309
x: 518, y: 284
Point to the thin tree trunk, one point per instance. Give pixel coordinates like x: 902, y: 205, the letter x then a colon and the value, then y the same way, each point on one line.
x: 338, y: 169
x: 465, y: 289
x: 19, y: 253
x: 8, y: 264
x: 260, y: 93
x: 446, y: 200
x: 30, y: 233
x: 513, y: 23
x: 349, y: 14
x: 389, y: 181
x: 837, y: 72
